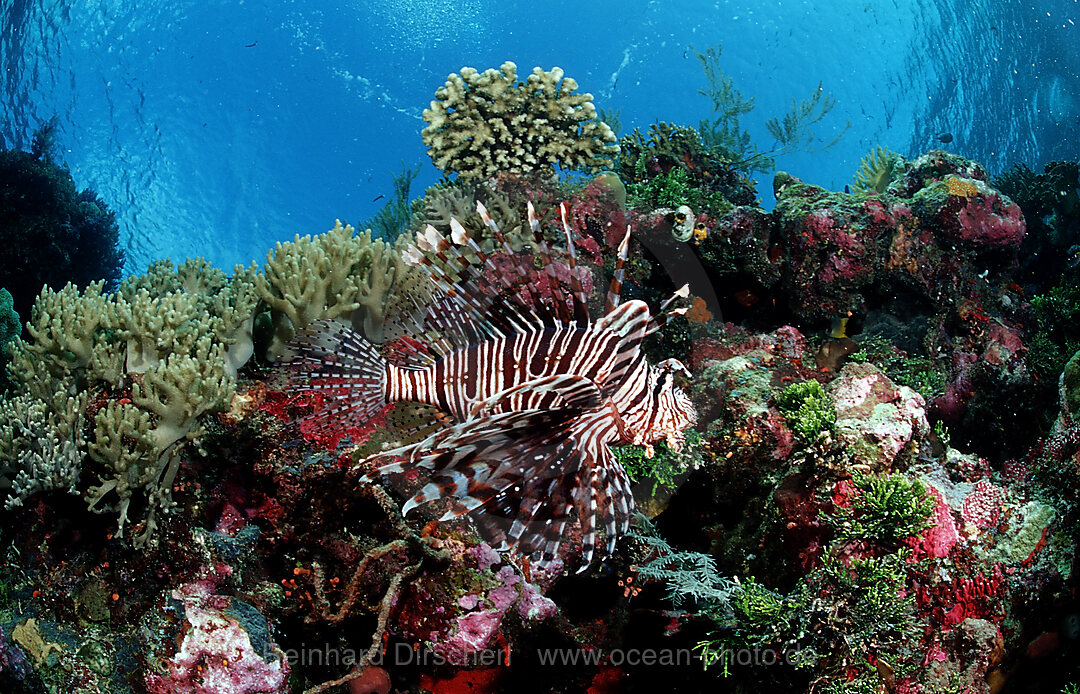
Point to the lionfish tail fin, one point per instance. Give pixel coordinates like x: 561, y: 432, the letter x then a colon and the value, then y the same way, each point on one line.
x: 333, y: 361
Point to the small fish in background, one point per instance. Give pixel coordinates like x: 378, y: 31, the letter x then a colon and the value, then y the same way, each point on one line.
x: 944, y: 137
x: 838, y: 328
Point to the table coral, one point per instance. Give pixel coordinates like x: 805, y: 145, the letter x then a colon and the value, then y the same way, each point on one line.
x: 483, y: 123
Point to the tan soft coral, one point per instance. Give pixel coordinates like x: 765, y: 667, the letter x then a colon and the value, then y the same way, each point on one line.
x: 173, y: 339
x: 481, y: 124
x: 332, y: 275
x: 140, y: 442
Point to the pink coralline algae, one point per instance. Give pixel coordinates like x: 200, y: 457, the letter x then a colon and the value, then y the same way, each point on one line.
x: 875, y: 417
x: 982, y: 507
x: 473, y: 630
x: 939, y: 539
x: 989, y: 219
x: 470, y: 634
x: 460, y: 615
x: 216, y: 655
x: 1002, y: 344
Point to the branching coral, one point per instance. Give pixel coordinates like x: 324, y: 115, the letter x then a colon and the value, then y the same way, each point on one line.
x: 457, y: 200
x: 167, y: 309
x: 63, y: 326
x: 166, y: 404
x: 484, y: 123
x: 41, y: 444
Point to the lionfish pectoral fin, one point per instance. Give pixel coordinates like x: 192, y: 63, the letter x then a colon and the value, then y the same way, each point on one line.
x: 572, y: 390
x: 603, y: 499
x: 513, y: 472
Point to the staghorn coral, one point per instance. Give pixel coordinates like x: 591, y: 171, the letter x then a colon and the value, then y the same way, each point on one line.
x: 485, y: 123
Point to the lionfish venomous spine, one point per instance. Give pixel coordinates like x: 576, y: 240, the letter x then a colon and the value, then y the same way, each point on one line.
x: 532, y: 392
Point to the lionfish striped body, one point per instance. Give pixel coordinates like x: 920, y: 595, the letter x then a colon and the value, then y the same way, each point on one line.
x: 533, y: 393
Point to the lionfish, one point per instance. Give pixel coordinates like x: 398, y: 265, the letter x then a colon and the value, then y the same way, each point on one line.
x: 531, y: 392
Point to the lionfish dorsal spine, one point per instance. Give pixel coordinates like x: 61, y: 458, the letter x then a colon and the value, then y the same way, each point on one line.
x: 614, y: 294
x: 562, y: 313
x: 581, y: 305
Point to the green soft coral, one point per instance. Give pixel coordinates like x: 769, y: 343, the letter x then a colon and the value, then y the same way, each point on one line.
x: 876, y: 171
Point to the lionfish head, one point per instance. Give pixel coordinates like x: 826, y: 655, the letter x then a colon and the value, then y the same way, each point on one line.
x: 675, y: 413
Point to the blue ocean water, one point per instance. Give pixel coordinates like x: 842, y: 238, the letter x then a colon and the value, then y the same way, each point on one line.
x: 214, y: 129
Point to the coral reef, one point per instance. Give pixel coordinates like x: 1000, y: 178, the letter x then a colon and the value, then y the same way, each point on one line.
x: 483, y: 123
x: 52, y: 232
x: 123, y: 379
x: 879, y: 494
x: 869, y: 550
x: 10, y: 327
x: 340, y: 274
x: 876, y: 171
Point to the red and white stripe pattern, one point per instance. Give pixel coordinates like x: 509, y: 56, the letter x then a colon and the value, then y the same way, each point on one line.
x: 537, y: 392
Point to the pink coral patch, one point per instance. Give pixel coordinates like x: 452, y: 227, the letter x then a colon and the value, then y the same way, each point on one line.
x: 938, y: 540
x: 982, y: 507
